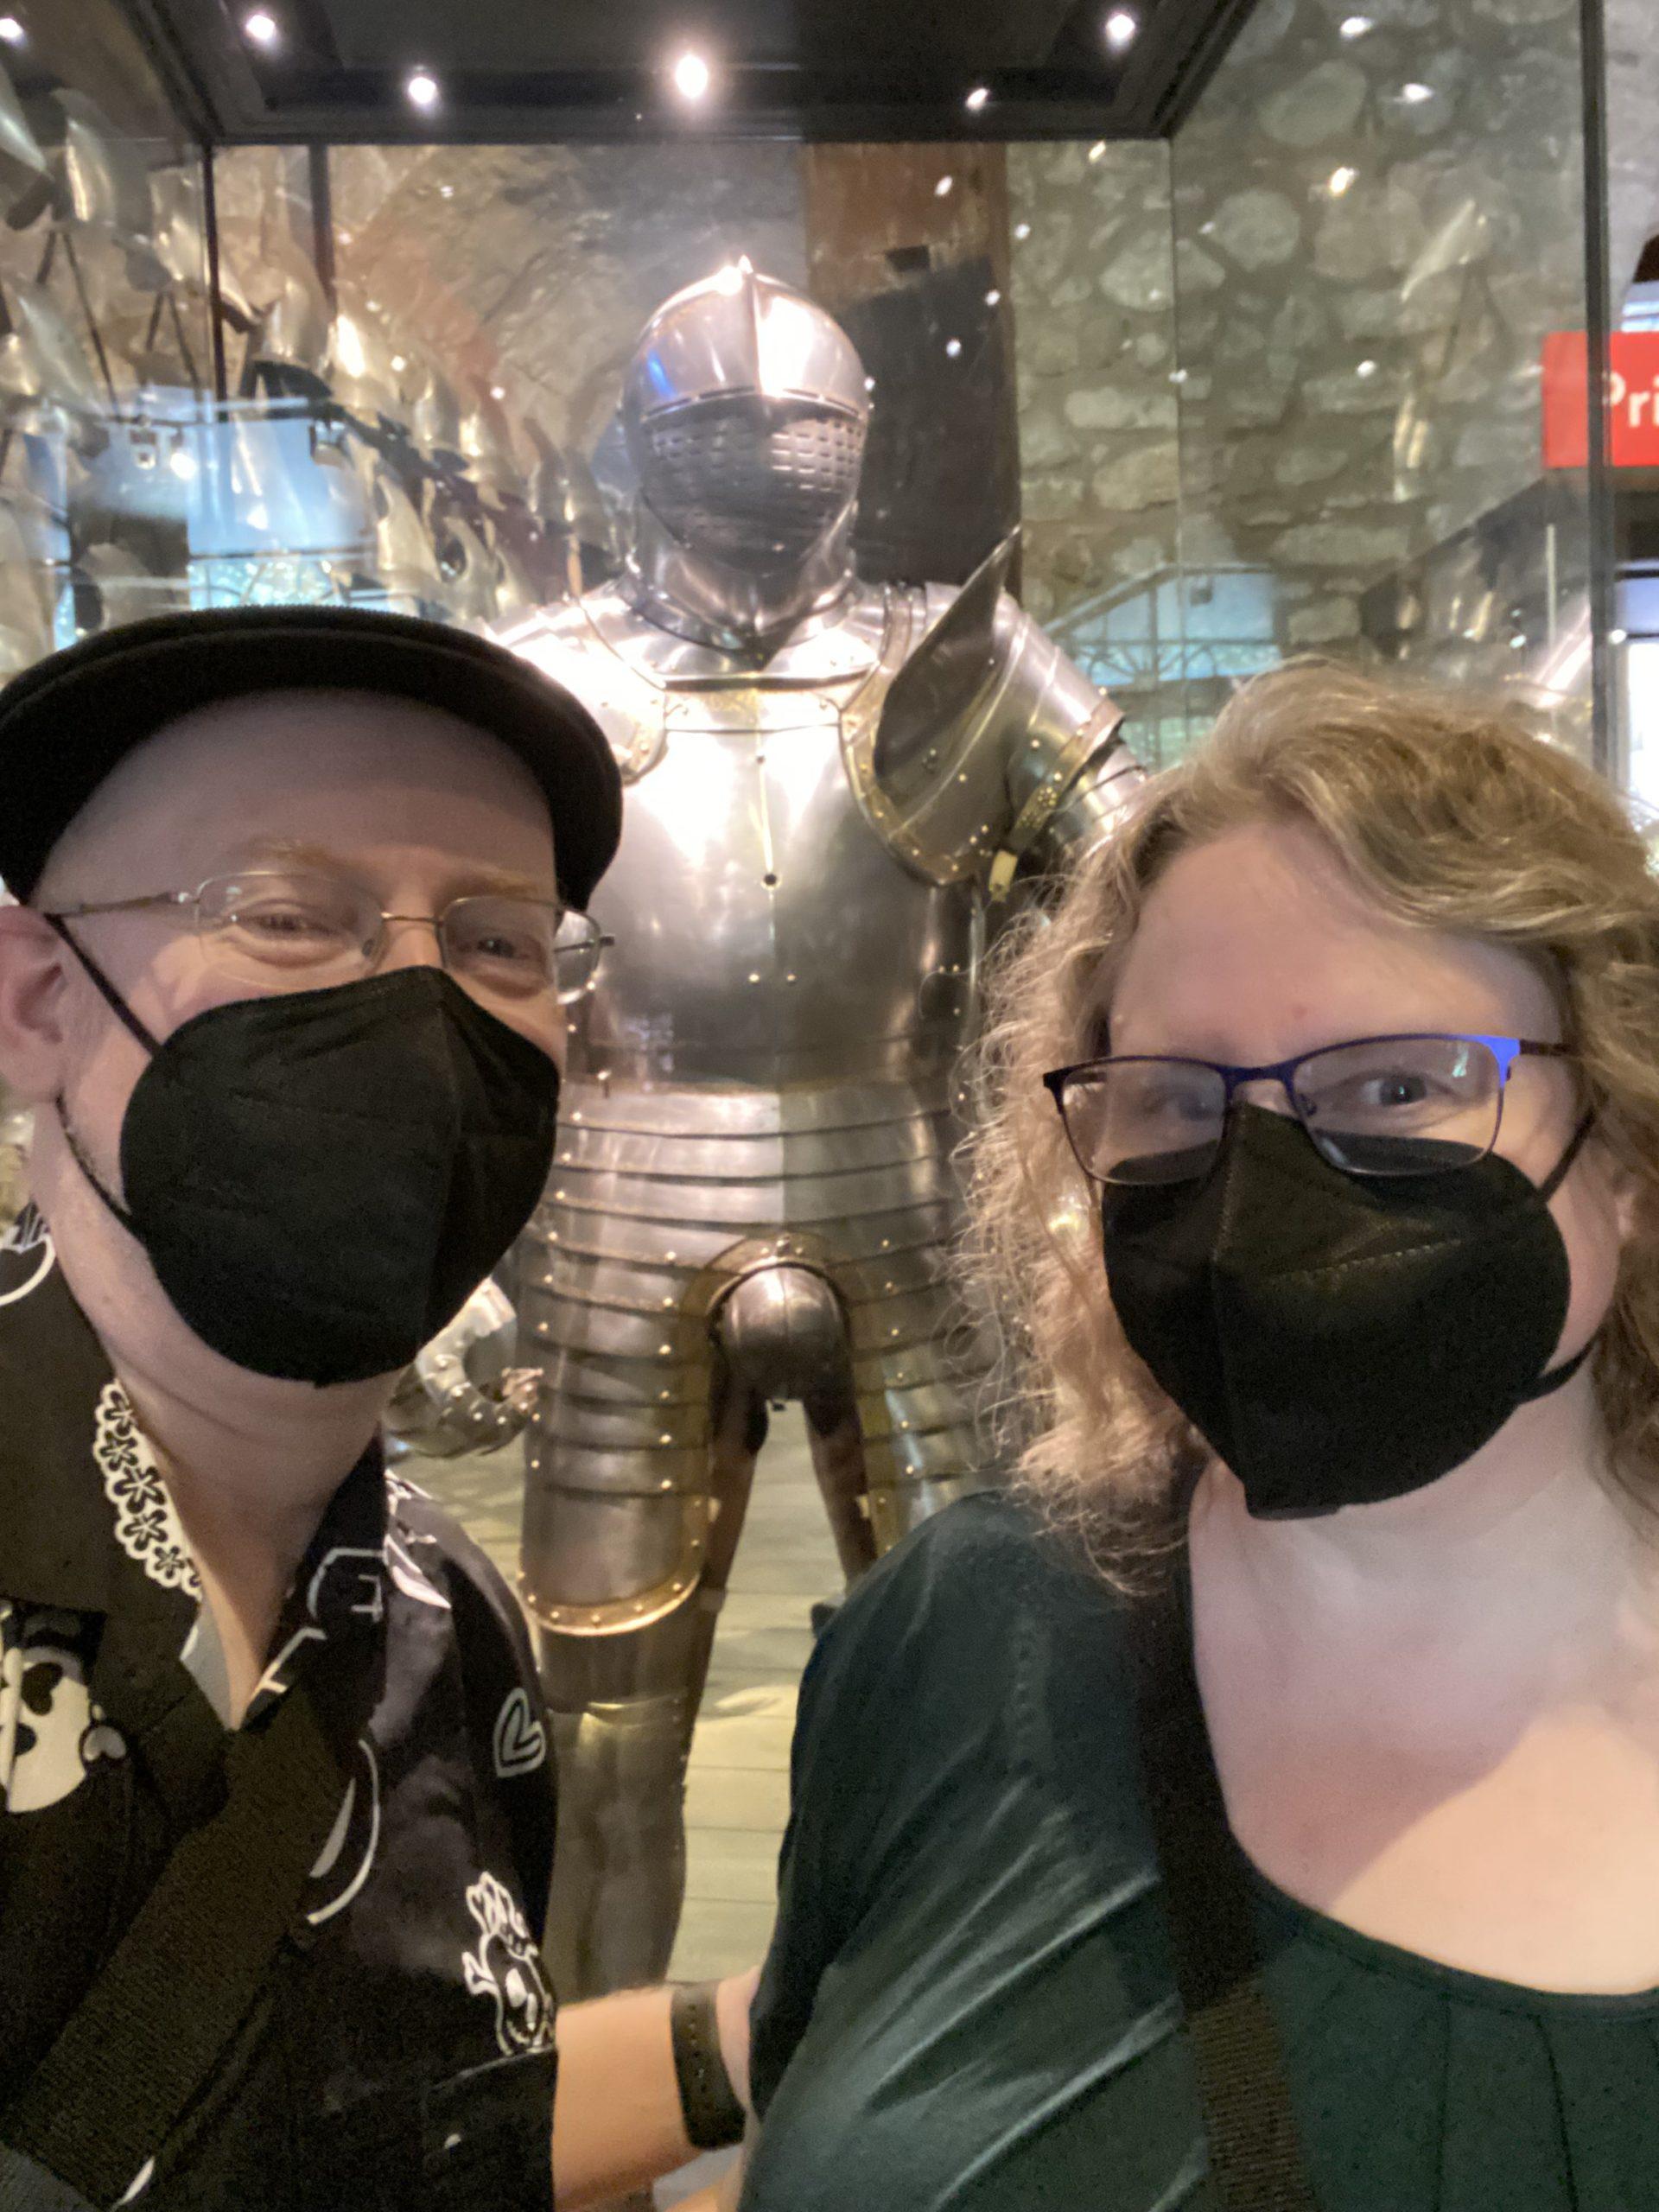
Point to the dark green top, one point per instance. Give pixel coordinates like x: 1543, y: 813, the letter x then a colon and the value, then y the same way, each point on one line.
x: 971, y: 2004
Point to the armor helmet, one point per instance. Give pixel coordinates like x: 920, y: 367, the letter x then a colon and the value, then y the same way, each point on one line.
x: 745, y: 408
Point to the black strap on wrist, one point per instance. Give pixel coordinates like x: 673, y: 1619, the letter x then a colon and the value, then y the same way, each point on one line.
x: 714, y: 2117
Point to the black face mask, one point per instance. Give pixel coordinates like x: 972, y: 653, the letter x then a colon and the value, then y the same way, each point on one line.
x: 1338, y: 1339
x: 322, y: 1179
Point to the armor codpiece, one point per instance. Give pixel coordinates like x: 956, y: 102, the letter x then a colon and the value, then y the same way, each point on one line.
x: 832, y: 786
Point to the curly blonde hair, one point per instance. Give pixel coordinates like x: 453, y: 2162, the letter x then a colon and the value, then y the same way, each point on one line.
x: 1450, y: 816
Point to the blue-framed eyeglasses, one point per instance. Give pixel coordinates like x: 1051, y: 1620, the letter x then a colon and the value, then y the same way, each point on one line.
x: 1415, y: 1104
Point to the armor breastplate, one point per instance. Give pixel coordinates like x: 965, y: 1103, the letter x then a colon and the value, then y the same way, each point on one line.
x: 768, y: 931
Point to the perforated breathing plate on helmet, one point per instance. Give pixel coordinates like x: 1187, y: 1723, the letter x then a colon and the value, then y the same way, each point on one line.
x: 757, y: 483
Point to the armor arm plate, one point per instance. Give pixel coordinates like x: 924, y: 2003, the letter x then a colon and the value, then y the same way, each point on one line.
x: 994, y: 752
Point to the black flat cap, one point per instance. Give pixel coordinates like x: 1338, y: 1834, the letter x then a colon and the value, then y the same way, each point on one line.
x: 66, y: 721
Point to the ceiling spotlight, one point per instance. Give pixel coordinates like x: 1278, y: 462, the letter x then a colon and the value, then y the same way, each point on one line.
x: 943, y: 187
x: 497, y: 392
x: 976, y: 98
x: 692, y: 77
x: 1356, y: 25
x: 261, y: 28
x: 422, y: 89
x: 12, y: 31
x: 1121, y: 29
x: 1414, y: 95
x: 1341, y: 180
x: 953, y: 346
x: 1098, y: 151
x: 1366, y: 368
x: 992, y: 299
x: 1022, y: 230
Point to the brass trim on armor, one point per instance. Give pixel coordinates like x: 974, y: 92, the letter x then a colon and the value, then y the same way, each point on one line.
x: 621, y: 1615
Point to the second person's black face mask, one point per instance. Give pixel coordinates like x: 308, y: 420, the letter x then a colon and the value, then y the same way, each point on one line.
x: 1338, y: 1340
x: 321, y: 1178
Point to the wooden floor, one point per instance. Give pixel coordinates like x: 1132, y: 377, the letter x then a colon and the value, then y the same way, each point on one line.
x: 737, y: 1790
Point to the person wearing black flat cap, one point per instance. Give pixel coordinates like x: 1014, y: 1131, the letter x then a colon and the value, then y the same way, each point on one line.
x: 299, y: 900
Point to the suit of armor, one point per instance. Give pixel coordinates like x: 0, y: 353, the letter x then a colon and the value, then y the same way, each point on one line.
x: 831, y: 784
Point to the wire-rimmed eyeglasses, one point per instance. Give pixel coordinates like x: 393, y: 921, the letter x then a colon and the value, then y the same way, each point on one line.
x: 304, y: 928
x: 1413, y: 1104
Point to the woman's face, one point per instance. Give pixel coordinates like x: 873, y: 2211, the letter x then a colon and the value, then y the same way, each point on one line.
x: 1255, y: 947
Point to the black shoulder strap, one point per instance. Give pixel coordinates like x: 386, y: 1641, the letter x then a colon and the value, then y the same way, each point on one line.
x: 145, y: 2040
x: 1255, y: 2156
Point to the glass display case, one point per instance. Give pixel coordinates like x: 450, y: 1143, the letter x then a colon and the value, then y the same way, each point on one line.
x: 1270, y: 384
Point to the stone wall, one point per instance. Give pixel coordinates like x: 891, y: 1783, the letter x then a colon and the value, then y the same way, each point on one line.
x: 1374, y: 235
x: 1308, y: 349
x: 1094, y: 301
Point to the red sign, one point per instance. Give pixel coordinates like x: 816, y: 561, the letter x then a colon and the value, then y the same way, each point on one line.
x: 1632, y: 399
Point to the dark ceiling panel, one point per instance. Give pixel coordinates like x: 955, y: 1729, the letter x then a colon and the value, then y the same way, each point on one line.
x: 518, y: 36
x: 515, y: 70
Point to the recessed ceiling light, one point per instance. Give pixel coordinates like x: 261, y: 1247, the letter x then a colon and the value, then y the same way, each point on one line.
x: 1416, y: 95
x: 422, y: 89
x: 1356, y: 25
x: 1022, y: 230
x: 1098, y: 151
x: 976, y: 98
x: 943, y: 187
x: 262, y: 28
x: 953, y: 346
x: 12, y: 31
x: 497, y: 392
x: 1120, y: 29
x: 1341, y: 180
x: 1366, y: 368
x: 992, y: 299
x: 692, y: 77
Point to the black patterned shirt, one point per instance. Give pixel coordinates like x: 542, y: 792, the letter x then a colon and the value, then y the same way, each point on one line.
x: 402, y: 2052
